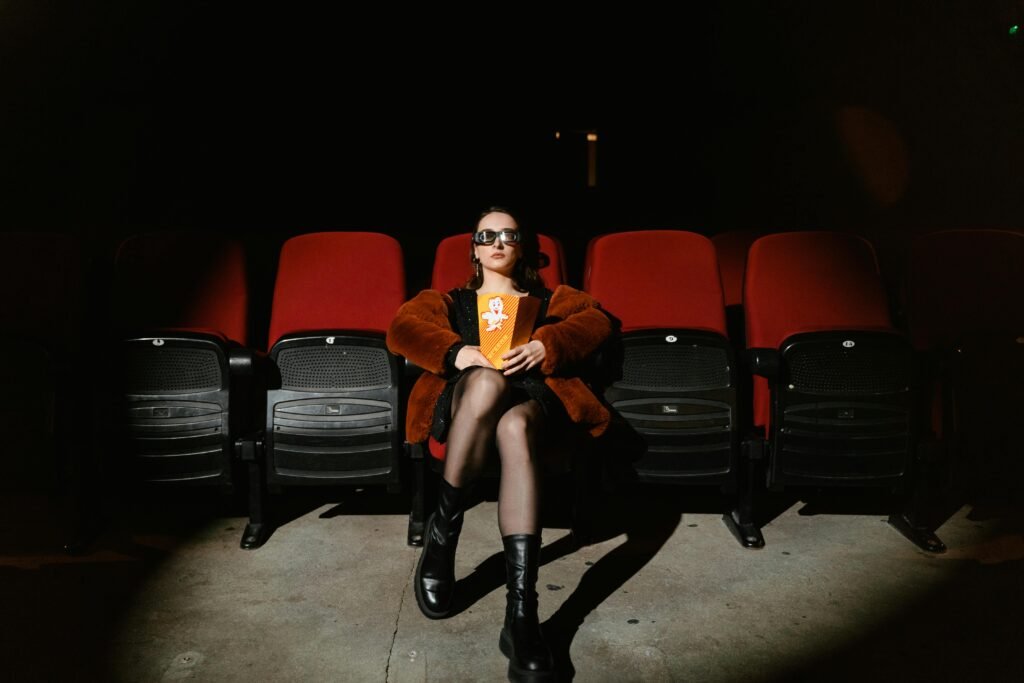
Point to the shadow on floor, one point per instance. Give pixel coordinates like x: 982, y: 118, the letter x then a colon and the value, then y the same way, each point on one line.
x: 967, y: 629
x: 647, y: 521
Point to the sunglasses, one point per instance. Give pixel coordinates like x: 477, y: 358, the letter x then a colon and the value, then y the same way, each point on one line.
x: 487, y: 237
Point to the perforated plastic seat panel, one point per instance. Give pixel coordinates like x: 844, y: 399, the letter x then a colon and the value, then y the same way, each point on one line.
x: 174, y: 409
x: 677, y: 391
x: 674, y: 367
x: 311, y: 368
x: 332, y: 418
x: 844, y: 408
x: 151, y: 369
x: 834, y: 369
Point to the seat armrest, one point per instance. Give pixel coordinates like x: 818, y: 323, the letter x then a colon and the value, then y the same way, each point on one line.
x: 244, y: 362
x: 763, y: 362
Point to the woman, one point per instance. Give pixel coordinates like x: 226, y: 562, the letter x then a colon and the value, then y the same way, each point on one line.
x: 473, y: 406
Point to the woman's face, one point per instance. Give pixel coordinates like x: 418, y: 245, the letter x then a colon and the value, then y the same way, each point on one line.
x: 497, y: 256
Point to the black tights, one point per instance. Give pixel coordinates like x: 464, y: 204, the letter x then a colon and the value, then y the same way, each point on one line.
x: 482, y: 415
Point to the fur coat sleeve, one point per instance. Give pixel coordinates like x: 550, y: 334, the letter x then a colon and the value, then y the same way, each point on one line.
x: 578, y: 329
x: 421, y: 331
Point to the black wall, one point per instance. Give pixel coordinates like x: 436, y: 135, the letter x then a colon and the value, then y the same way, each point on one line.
x: 121, y: 116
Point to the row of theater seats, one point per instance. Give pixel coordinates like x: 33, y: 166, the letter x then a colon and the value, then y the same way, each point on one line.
x: 841, y: 396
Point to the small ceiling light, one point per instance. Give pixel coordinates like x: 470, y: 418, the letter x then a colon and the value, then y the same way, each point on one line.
x: 591, y: 137
x: 1015, y: 29
x: 558, y: 135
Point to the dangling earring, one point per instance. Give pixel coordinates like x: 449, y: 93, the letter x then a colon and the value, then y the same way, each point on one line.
x: 477, y: 267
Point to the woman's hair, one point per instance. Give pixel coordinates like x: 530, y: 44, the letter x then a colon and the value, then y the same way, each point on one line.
x: 526, y: 273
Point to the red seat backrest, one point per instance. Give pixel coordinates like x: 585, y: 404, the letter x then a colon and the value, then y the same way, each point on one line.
x: 337, y: 281
x: 452, y: 267
x: 657, y: 279
x: 962, y: 282
x: 184, y: 281
x: 809, y: 282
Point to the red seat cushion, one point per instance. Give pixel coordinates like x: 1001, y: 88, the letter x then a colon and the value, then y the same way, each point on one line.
x: 657, y: 279
x: 181, y: 281
x: 337, y: 281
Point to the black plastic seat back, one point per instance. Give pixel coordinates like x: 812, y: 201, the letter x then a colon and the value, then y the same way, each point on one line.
x: 843, y: 409
x: 677, y: 387
x: 180, y: 305
x: 333, y: 413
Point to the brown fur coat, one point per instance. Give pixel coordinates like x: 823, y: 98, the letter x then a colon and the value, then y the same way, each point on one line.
x: 422, y: 333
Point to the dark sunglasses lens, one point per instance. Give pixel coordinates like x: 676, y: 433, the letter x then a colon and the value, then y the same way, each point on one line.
x: 485, y: 237
x: 510, y: 237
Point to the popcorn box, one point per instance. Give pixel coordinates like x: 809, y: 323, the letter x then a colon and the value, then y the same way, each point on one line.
x: 506, y: 321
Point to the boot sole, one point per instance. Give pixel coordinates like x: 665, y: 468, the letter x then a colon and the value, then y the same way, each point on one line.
x: 420, y: 601
x: 515, y: 674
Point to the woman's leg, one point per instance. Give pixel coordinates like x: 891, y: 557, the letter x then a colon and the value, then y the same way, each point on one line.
x: 478, y: 401
x: 519, y: 492
x: 479, y: 398
x: 518, y: 511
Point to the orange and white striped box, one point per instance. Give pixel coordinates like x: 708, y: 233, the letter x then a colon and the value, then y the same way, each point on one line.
x: 506, y: 321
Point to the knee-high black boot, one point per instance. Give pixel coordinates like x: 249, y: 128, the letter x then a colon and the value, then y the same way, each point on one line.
x: 521, y: 640
x: 434, y: 582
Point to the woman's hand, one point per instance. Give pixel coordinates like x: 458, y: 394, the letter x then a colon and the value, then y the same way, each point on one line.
x: 469, y: 356
x: 524, y: 357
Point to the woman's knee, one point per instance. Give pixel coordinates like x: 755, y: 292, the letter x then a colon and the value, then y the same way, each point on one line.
x: 484, y: 392
x: 518, y: 425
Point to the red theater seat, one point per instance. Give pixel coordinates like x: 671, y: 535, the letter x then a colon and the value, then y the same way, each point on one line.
x: 332, y: 410
x: 837, y: 386
x: 809, y: 282
x: 179, y: 305
x: 677, y: 386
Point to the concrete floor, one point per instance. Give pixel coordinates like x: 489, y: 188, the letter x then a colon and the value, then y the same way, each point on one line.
x: 667, y: 595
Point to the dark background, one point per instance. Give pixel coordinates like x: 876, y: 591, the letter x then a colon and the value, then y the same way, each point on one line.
x: 887, y: 118
x: 119, y: 117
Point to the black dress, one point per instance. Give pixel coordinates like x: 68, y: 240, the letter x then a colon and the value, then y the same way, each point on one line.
x: 525, y: 386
